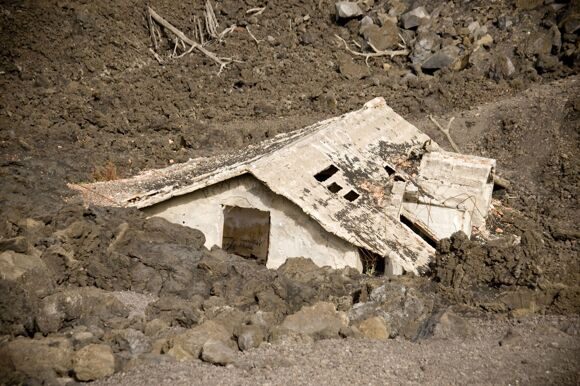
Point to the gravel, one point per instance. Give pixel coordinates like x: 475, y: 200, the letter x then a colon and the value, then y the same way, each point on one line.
x: 544, y: 354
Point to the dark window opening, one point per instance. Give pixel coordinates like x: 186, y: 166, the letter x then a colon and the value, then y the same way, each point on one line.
x: 326, y: 173
x: 247, y: 232
x: 373, y: 264
x: 390, y: 171
x: 398, y: 177
x: 420, y: 232
x: 351, y: 196
x: 334, y: 187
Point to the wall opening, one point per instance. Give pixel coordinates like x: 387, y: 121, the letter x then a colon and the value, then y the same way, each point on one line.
x: 246, y: 232
x: 420, y: 232
x: 373, y: 263
x: 326, y: 173
x: 390, y: 170
x: 351, y: 196
x: 334, y: 187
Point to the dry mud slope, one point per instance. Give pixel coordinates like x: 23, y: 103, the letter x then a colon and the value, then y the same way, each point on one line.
x: 85, y: 95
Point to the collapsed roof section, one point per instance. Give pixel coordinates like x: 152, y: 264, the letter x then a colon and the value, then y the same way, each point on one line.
x: 369, y: 177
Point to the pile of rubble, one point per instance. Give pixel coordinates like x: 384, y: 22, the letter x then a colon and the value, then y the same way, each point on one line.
x: 81, y: 301
x: 441, y: 38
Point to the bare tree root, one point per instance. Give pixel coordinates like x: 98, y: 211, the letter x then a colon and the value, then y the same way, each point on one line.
x: 222, y: 62
x: 377, y: 53
x: 255, y: 11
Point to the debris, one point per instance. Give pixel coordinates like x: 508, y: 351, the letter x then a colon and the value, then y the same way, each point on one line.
x: 441, y: 59
x: 415, y: 18
x: 527, y: 5
x: 376, y: 53
x: 256, y: 11
x: 374, y: 328
x: 218, y: 353
x: 320, y: 320
x: 222, y: 62
x: 347, y: 10
x: 381, y: 38
x: 93, y: 362
x: 503, y: 67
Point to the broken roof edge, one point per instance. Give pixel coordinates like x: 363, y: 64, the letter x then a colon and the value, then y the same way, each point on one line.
x: 147, y: 185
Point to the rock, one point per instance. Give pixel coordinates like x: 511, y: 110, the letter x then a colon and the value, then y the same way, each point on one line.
x: 382, y: 38
x: 441, y: 59
x: 132, y: 341
x: 39, y: 358
x: 16, y: 244
x: 527, y: 5
x: 13, y: 264
x: 451, y: 325
x: 352, y: 70
x: 347, y: 10
x: 282, y: 335
x: 218, y: 353
x: 485, y: 40
x: 17, y: 309
x: 319, y: 321
x: 365, y: 22
x: 511, y: 339
x: 78, y: 306
x: 93, y: 362
x: 189, y: 344
x: 374, y: 328
x: 538, y: 43
x: 570, y: 23
x: 503, y: 67
x: 416, y: 17
x: 155, y: 326
x: 250, y: 336
x: 425, y: 43
x: 82, y: 338
x: 176, y: 311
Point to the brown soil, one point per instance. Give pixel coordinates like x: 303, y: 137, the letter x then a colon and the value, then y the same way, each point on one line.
x: 83, y: 99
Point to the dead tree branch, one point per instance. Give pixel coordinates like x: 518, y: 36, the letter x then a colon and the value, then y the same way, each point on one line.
x: 222, y: 62
x: 375, y: 54
x: 446, y: 132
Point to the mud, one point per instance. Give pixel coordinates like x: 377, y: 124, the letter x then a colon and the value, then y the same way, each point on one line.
x: 84, y: 99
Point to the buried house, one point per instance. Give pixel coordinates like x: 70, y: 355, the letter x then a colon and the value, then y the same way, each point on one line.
x: 363, y: 188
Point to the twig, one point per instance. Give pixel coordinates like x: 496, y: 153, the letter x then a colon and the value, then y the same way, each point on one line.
x: 256, y: 11
x: 152, y: 31
x: 375, y: 54
x: 446, y: 132
x: 156, y: 56
x: 211, y: 23
x: 226, y: 31
x: 252, y: 35
x: 222, y: 62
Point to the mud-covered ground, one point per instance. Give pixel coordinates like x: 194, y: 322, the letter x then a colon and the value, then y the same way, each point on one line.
x: 85, y: 96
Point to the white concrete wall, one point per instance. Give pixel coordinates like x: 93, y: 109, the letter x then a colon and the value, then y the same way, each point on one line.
x: 292, y: 233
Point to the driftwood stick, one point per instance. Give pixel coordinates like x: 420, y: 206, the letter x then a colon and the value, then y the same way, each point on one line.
x: 222, y: 62
x: 446, y: 132
x: 375, y: 54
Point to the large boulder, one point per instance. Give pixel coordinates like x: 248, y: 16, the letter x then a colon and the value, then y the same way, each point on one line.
x: 79, y: 306
x: 218, y: 353
x: 93, y: 362
x: 45, y: 358
x: 318, y: 321
x: 188, y: 345
x: 250, y: 336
